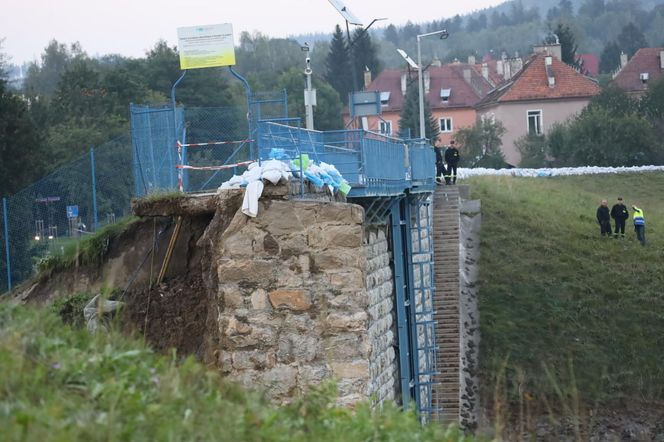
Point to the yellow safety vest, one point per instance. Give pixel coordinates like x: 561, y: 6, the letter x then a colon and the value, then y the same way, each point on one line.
x: 639, y: 219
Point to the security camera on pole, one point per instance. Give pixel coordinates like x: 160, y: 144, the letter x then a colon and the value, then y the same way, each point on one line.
x: 309, y: 93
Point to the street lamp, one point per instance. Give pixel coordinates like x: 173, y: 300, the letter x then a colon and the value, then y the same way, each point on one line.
x: 443, y: 35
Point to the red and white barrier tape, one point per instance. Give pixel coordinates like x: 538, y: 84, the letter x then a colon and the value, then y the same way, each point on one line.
x: 213, y: 143
x: 225, y: 166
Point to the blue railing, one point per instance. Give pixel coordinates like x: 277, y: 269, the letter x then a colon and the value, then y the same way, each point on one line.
x: 373, y: 164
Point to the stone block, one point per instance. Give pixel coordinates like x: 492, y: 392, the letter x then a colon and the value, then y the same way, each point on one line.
x: 311, y: 375
x: 236, y: 327
x: 329, y: 235
x: 346, y: 347
x: 280, y: 381
x: 246, y: 242
x: 257, y: 271
x: 297, y: 348
x: 349, y: 300
x: 358, y: 369
x: 259, y: 300
x: 335, y: 259
x: 349, y: 278
x: 253, y: 359
x: 347, y: 322
x: 296, y: 300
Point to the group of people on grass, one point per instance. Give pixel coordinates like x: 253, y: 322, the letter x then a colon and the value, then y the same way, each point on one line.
x: 620, y: 215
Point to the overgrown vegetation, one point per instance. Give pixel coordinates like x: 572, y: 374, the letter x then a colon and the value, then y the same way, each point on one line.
x: 89, y: 251
x: 60, y: 383
x: 569, y: 319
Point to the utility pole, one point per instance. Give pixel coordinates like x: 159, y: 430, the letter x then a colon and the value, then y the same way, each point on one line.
x: 309, y: 96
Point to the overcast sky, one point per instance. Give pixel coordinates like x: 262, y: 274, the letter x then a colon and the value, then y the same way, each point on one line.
x: 131, y: 27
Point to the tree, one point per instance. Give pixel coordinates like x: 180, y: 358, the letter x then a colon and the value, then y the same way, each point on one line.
x: 364, y: 55
x: 42, y: 79
x: 568, y: 46
x: 19, y: 142
x: 652, y: 107
x: 534, y: 151
x: 392, y: 35
x: 631, y: 39
x: 327, y: 113
x: 481, y: 144
x: 338, y: 65
x: 609, y: 59
x: 409, y: 120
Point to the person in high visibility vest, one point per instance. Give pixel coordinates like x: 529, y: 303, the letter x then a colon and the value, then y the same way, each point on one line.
x: 639, y: 225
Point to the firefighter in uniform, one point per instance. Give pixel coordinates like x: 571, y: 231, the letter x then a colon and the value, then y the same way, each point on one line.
x: 620, y: 214
x: 452, y: 159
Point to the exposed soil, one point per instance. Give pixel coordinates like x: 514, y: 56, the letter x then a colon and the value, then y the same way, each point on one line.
x: 172, y: 315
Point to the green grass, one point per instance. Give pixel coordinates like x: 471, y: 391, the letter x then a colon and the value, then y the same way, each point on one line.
x: 568, y: 317
x: 90, y: 250
x: 62, y: 384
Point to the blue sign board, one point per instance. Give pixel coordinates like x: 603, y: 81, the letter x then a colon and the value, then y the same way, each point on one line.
x: 72, y: 211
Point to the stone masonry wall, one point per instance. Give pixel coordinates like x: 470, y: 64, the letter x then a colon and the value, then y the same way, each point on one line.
x: 383, y: 369
x: 305, y: 295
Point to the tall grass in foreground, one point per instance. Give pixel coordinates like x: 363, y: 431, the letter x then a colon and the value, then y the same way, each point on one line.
x: 569, y: 320
x: 60, y: 383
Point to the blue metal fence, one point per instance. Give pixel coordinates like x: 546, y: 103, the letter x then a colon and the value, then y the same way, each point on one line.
x: 374, y: 165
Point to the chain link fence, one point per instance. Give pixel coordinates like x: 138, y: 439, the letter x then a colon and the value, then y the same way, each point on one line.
x: 75, y: 200
x: 47, y: 217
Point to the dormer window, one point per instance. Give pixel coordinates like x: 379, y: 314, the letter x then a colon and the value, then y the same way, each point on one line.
x: 445, y: 94
x: 384, y: 98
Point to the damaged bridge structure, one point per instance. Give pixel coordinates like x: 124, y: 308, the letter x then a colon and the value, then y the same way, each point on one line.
x: 362, y: 288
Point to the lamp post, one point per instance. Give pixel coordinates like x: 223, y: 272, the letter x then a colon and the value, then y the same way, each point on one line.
x: 443, y: 35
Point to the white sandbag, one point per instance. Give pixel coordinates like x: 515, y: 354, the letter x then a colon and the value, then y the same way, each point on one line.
x: 253, y: 191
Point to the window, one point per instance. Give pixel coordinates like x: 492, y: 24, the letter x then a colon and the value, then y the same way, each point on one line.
x: 446, y: 124
x: 535, y: 122
x: 386, y: 127
x: 384, y: 98
x: 445, y: 94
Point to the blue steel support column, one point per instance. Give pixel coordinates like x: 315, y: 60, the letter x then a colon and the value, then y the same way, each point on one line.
x: 412, y: 301
x: 95, y: 221
x: 175, y: 120
x: 400, y: 291
x: 6, y: 226
x: 247, y: 88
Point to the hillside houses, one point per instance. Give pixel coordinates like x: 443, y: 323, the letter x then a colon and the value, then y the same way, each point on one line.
x: 527, y: 97
x: 644, y: 68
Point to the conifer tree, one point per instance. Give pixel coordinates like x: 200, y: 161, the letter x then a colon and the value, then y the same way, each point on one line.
x: 364, y: 55
x: 338, y: 65
x: 410, y: 116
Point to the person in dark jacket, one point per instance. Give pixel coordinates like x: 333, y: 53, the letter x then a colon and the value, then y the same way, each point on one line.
x: 604, y: 218
x: 620, y: 214
x: 440, y: 166
x: 452, y: 159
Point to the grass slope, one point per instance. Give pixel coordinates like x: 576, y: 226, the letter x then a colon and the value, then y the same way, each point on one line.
x: 568, y: 317
x: 62, y: 384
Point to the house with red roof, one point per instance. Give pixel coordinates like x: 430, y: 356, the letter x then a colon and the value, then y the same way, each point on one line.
x: 452, y: 91
x: 645, y: 67
x: 590, y: 64
x: 544, y: 92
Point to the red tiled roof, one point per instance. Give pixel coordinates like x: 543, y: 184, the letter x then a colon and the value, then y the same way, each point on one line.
x: 590, y: 63
x: 531, y: 83
x: 646, y: 60
x: 450, y: 76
